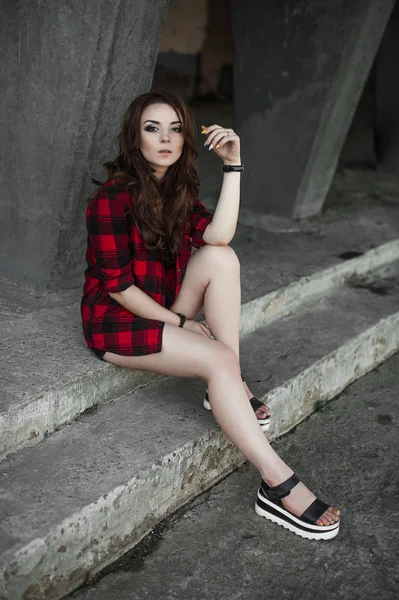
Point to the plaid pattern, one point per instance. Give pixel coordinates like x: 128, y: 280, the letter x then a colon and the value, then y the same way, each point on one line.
x: 116, y: 259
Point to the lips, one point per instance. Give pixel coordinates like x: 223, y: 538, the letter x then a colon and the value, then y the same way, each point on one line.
x: 165, y: 152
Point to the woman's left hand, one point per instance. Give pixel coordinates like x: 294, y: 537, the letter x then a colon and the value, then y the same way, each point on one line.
x: 224, y: 142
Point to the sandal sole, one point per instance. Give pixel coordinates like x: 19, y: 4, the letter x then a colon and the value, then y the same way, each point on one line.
x: 277, y: 515
x: 263, y: 423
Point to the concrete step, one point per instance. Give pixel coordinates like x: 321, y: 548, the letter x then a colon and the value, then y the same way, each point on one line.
x: 91, y: 491
x: 50, y: 377
x: 184, y: 558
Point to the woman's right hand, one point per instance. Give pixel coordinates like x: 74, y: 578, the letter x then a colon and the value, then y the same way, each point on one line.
x: 196, y: 327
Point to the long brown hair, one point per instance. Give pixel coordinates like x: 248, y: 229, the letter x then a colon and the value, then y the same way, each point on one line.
x: 160, y: 208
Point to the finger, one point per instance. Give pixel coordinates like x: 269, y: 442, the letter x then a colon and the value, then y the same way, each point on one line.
x: 219, y: 136
x: 211, y: 136
x: 215, y: 138
x: 223, y: 142
x: 202, y: 332
x: 206, y: 330
x: 210, y: 128
x: 226, y: 140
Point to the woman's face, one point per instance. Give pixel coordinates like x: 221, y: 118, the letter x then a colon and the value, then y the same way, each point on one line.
x: 161, y: 137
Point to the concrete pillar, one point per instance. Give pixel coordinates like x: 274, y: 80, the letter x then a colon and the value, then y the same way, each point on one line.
x: 386, y: 92
x: 69, y: 71
x: 299, y: 69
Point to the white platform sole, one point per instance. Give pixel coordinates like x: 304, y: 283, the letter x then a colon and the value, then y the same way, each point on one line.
x: 309, y: 532
x: 263, y: 425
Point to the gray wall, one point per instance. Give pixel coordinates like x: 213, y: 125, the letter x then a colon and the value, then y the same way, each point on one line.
x: 299, y: 70
x: 71, y: 69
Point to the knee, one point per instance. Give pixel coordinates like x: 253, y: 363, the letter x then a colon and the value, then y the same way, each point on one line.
x: 222, y: 257
x: 224, y: 359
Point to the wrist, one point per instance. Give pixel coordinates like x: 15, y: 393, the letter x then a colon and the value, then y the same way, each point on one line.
x: 182, y: 320
x: 233, y: 162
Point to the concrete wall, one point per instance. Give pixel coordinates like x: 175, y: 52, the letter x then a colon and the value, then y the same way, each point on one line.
x: 387, y: 97
x: 70, y: 70
x: 299, y: 70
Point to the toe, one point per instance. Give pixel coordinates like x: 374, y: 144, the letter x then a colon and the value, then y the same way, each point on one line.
x: 263, y: 412
x: 331, y: 516
x: 334, y: 515
x: 325, y: 519
x: 328, y: 518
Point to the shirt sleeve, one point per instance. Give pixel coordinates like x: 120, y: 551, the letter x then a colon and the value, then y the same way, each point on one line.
x: 107, y: 224
x: 199, y: 221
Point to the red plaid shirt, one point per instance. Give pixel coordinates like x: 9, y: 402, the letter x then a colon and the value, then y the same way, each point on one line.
x: 116, y: 259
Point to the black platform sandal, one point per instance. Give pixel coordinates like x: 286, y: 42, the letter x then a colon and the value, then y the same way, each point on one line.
x: 268, y: 504
x: 255, y: 403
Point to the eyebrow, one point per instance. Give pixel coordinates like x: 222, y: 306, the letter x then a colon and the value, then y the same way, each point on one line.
x: 158, y: 123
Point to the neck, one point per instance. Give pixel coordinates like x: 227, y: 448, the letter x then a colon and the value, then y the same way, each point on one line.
x: 159, y: 172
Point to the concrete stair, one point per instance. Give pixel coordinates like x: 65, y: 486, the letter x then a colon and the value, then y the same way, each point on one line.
x: 50, y: 377
x: 107, y: 471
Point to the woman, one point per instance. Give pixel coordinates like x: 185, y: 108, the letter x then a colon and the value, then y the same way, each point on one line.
x: 144, y: 289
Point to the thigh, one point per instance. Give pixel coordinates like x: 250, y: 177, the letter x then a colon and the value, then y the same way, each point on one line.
x: 190, y: 298
x: 183, y: 354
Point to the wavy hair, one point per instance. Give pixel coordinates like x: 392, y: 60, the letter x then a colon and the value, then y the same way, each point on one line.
x: 160, y: 208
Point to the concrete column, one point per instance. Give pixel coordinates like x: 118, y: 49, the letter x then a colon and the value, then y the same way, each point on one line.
x: 299, y: 69
x: 386, y: 92
x: 70, y: 69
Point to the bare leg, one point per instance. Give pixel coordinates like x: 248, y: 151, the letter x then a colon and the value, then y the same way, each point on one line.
x: 213, y: 280
x: 185, y: 354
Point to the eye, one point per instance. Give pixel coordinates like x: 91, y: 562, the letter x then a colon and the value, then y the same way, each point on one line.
x: 177, y: 129
x: 150, y: 128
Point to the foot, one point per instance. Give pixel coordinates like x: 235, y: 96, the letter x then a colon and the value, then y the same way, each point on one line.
x: 264, y: 411
x: 300, y: 498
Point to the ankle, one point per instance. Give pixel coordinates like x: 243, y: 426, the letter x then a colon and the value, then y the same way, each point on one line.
x: 273, y: 478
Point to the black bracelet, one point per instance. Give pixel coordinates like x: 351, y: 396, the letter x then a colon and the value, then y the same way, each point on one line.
x: 182, y: 319
x: 229, y: 168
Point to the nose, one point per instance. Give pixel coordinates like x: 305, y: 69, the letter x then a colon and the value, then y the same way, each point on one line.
x: 165, y: 137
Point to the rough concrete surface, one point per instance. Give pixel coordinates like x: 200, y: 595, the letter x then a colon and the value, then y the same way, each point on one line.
x: 109, y: 461
x: 69, y: 72
x: 217, y: 548
x: 41, y: 331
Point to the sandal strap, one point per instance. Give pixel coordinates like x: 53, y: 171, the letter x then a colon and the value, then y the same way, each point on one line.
x: 256, y: 404
x: 280, y: 491
x: 313, y: 513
